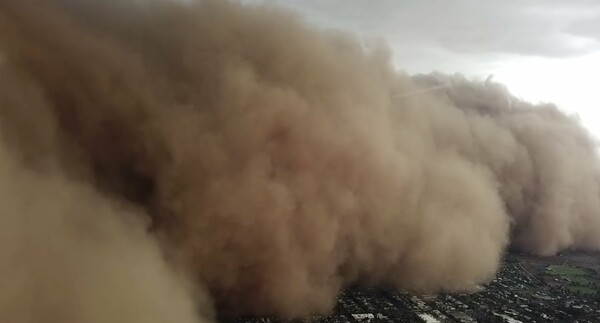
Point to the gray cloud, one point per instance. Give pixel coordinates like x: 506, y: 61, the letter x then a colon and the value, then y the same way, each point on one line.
x: 547, y: 29
x: 589, y: 27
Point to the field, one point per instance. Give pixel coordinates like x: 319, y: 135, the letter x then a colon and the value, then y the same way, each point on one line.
x: 563, y: 270
x: 576, y: 280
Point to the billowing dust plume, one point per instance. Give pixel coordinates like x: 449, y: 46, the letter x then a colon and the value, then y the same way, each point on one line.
x: 67, y: 253
x: 157, y: 151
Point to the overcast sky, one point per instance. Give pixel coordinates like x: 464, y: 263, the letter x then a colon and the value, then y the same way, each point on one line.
x: 543, y: 50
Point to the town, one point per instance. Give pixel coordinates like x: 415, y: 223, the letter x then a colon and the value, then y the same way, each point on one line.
x: 526, y: 289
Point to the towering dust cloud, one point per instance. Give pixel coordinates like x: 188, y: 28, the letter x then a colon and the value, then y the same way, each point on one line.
x: 154, y: 152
